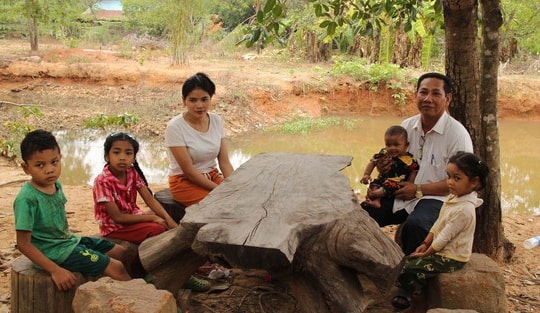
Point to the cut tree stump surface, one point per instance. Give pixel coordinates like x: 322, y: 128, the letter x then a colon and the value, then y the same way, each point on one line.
x: 272, y: 203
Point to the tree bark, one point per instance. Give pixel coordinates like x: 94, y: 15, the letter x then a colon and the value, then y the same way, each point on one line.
x: 475, y: 105
x: 31, y: 7
x: 462, y: 65
x: 489, y: 236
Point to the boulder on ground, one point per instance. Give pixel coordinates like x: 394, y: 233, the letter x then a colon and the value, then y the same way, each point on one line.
x: 478, y: 286
x: 111, y: 296
x: 438, y: 310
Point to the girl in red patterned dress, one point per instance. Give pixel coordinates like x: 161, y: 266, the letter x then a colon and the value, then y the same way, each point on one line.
x: 115, y: 195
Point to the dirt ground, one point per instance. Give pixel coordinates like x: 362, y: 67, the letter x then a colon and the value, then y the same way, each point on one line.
x: 70, y: 85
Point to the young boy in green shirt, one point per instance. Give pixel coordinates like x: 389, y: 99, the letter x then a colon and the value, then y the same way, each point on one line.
x: 41, y: 224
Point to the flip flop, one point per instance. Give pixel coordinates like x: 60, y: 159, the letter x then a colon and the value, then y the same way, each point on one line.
x: 218, y: 288
x: 197, y: 285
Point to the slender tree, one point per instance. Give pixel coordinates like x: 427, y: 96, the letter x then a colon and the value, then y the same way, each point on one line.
x: 32, y: 10
x: 182, y: 17
x: 177, y: 19
x: 490, y: 237
x: 475, y: 74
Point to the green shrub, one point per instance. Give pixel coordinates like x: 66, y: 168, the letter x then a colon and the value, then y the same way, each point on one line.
x: 304, y: 126
x: 102, y: 121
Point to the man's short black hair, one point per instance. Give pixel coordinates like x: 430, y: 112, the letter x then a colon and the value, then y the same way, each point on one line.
x: 36, y: 141
x: 447, y: 83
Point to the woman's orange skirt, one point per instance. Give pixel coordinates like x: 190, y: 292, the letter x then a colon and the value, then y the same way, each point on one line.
x: 186, y: 192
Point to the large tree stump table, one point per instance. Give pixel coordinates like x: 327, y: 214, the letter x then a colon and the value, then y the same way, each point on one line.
x: 284, y: 212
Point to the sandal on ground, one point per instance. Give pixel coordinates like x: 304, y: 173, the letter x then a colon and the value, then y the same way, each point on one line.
x: 197, y: 285
x: 401, y: 300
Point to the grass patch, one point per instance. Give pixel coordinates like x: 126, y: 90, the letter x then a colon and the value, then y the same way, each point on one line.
x: 302, y: 126
x: 78, y: 59
x: 361, y: 70
x: 102, y: 121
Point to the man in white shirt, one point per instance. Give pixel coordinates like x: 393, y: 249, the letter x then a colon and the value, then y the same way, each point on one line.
x: 433, y: 136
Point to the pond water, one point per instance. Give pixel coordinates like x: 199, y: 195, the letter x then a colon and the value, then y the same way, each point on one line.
x: 361, y: 138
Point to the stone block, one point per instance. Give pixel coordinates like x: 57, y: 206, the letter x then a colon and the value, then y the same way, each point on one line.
x: 478, y: 286
x: 111, y: 296
x: 438, y: 310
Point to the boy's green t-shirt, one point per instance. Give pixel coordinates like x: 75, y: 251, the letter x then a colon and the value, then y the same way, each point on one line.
x: 44, y: 216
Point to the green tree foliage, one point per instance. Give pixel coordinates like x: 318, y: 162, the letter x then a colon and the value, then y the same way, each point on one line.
x: 145, y: 16
x: 186, y: 25
x: 61, y: 17
x: 520, y: 29
x: 266, y: 25
x: 58, y: 18
x: 13, y: 131
x: 180, y: 20
x: 90, y: 5
x: 349, y: 24
x: 233, y: 13
x: 11, y: 17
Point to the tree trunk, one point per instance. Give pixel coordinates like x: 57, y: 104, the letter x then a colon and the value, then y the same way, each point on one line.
x: 31, y: 7
x: 471, y: 89
x: 375, y: 55
x: 489, y: 236
x: 415, y: 52
x: 462, y: 63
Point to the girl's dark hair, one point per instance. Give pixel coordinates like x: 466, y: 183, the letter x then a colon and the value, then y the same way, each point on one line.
x: 447, y: 83
x: 198, y: 81
x: 472, y: 166
x: 125, y: 137
x: 37, y: 141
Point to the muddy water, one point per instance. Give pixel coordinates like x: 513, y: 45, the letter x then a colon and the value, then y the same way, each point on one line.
x: 519, y: 141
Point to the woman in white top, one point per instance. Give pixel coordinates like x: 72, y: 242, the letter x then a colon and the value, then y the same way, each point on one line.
x: 196, y: 144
